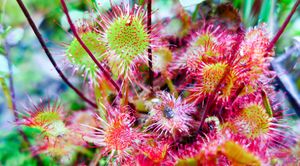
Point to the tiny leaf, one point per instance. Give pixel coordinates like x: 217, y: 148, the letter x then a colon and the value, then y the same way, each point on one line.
x: 266, y: 103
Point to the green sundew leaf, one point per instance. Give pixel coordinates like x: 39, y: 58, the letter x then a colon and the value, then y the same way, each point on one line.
x: 265, y: 11
x: 187, y: 3
x: 78, y: 56
x: 47, y: 117
x: 6, y: 92
x: 266, y: 103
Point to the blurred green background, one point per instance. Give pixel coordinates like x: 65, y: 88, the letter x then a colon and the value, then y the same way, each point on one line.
x: 35, y: 78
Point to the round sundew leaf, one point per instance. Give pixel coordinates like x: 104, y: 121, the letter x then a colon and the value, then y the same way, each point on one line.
x: 47, y: 117
x: 79, y: 57
x: 213, y: 74
x: 127, y: 37
x: 254, y: 120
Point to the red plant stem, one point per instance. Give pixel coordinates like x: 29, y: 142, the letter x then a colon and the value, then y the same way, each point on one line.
x: 13, y: 99
x: 282, y: 28
x: 207, y: 107
x: 73, y: 28
x: 238, y: 92
x: 149, y: 20
x: 49, y: 55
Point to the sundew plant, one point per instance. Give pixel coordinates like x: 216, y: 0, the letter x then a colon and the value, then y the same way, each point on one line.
x: 203, y: 95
